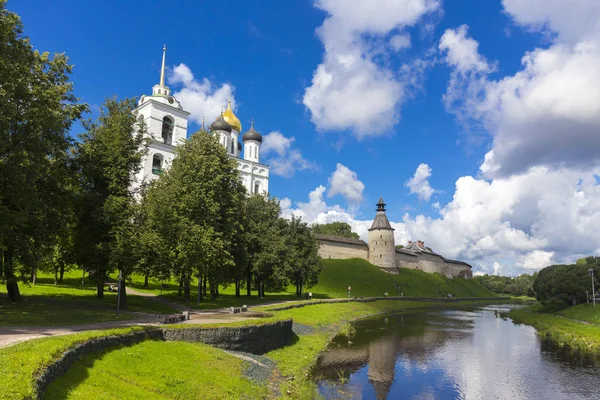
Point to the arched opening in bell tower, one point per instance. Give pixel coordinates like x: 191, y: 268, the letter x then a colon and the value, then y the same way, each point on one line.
x: 167, y: 130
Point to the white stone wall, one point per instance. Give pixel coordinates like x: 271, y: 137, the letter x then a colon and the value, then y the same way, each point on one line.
x: 382, y: 248
x: 338, y: 250
x: 253, y: 174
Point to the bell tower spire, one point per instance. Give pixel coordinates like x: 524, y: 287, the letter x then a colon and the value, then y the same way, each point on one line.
x: 162, y: 69
x: 161, y: 89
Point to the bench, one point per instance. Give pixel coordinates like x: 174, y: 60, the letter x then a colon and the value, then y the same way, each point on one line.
x: 235, y: 310
x: 170, y: 319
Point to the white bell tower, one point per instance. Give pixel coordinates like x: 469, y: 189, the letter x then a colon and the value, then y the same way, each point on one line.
x: 166, y: 125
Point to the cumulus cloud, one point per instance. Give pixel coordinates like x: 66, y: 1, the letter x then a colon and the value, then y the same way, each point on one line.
x: 201, y: 98
x: 419, y: 183
x: 345, y: 182
x: 508, y: 225
x: 400, y: 42
x: 548, y: 113
x: 283, y: 159
x: 349, y: 77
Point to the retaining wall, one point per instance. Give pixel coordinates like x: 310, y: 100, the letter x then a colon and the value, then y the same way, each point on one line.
x: 257, y: 339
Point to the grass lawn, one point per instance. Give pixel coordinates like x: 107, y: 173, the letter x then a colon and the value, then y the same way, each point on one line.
x: 82, y: 306
x: 33, y: 312
x: 20, y: 363
x: 366, y: 280
x: 68, y: 303
x: 158, y: 370
x: 565, y: 332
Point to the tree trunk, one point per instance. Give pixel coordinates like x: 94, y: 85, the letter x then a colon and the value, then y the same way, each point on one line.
x: 12, y: 286
x: 101, y: 277
x: 237, y: 287
x: 249, y: 285
x: 201, y: 280
x: 146, y: 281
x: 33, y: 275
x: 123, y: 303
x: 62, y: 272
x: 186, y: 289
x: 55, y: 276
x: 205, y: 287
x: 217, y: 289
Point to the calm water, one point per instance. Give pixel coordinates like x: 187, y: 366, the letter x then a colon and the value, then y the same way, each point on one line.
x: 452, y: 355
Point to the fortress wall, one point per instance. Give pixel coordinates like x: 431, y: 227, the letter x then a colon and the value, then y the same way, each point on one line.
x: 432, y: 263
x: 406, y: 261
x: 338, y: 250
x: 456, y: 270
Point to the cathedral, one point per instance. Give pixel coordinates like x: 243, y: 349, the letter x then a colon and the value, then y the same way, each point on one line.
x: 167, y: 123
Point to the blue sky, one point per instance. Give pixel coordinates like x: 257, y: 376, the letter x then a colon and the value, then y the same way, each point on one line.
x: 372, y: 97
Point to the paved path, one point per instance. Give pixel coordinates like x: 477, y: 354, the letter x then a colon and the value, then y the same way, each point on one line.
x: 10, y: 335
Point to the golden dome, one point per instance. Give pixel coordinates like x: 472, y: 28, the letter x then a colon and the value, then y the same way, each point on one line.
x: 230, y: 117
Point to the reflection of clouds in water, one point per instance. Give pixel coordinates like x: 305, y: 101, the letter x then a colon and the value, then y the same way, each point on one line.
x: 448, y: 355
x: 500, y: 362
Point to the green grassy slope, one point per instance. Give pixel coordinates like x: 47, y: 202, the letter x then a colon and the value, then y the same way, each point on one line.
x: 368, y: 280
x: 187, y: 371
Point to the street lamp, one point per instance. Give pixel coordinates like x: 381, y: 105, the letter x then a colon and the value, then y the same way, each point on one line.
x: 591, y: 272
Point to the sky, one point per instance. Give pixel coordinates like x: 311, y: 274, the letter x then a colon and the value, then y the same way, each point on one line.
x: 478, y: 122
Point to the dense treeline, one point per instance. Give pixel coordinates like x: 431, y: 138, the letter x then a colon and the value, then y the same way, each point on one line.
x: 521, y: 285
x: 568, y: 283
x: 67, y: 203
x: 341, y: 229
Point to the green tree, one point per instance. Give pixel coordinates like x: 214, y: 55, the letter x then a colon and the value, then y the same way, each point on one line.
x: 565, y: 282
x: 194, y: 209
x: 108, y: 156
x: 266, y: 245
x: 36, y: 113
x: 341, y: 229
x: 303, y: 263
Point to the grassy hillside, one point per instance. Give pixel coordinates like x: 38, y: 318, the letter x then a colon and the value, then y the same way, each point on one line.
x: 368, y: 280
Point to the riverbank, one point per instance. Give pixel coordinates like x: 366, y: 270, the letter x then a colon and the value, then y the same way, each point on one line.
x: 573, y: 327
x: 314, y: 326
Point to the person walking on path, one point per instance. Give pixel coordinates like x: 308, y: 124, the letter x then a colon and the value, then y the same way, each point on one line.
x: 310, y: 295
x: 349, y: 289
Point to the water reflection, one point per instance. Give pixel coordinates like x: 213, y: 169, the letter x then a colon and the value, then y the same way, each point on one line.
x: 452, y: 354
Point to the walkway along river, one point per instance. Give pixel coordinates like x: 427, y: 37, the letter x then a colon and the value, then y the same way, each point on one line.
x: 452, y: 355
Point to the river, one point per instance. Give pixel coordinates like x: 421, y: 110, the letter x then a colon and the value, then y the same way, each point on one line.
x: 474, y: 354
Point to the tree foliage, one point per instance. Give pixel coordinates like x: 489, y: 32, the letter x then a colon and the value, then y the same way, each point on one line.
x: 341, y: 229
x: 302, y: 258
x: 107, y: 156
x: 521, y: 285
x: 36, y: 112
x: 192, y: 211
x: 566, y: 282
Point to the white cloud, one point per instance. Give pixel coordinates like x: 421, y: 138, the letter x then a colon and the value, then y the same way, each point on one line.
x: 400, y: 42
x: 345, y: 182
x: 536, y: 259
x: 509, y: 225
x: 349, y: 77
x: 548, y: 113
x: 461, y: 51
x: 570, y: 20
x: 419, y: 183
x: 199, y: 97
x: 285, y: 160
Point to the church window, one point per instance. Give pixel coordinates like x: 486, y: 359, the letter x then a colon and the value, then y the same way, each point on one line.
x: 167, y: 130
x: 380, y: 256
x: 256, y: 187
x: 157, y: 164
x: 232, y: 151
x: 380, y: 236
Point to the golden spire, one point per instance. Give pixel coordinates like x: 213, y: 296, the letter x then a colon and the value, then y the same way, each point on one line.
x: 230, y: 117
x: 162, y: 69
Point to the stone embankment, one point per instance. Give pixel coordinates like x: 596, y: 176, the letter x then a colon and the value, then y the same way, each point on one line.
x: 256, y: 339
